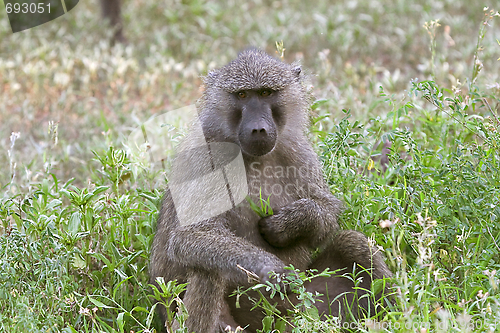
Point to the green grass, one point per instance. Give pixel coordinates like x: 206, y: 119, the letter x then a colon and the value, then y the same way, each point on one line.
x: 78, y: 213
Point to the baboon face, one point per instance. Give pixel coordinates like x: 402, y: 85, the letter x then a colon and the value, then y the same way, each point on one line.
x: 255, y: 117
x: 252, y: 101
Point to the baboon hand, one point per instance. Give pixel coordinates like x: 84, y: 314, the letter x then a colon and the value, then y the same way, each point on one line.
x: 273, y: 229
x: 278, y: 276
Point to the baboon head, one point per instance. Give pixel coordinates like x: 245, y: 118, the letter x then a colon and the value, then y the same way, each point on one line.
x: 251, y: 101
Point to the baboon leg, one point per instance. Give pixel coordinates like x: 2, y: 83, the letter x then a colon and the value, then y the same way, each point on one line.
x: 349, y: 252
x: 111, y: 10
x: 226, y: 320
x: 339, y: 298
x: 249, y: 316
x: 204, y: 301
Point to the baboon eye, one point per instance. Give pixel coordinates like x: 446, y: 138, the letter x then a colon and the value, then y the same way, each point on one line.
x: 265, y: 93
x: 242, y: 94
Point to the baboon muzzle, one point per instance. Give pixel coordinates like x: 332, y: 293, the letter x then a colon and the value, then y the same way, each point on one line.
x: 257, y: 133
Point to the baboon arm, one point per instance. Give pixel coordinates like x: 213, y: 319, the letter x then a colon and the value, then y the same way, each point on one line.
x: 319, y: 218
x: 309, y: 220
x: 211, y: 248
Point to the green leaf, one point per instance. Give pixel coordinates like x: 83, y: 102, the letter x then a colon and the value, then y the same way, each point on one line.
x: 53, y: 203
x: 119, y: 321
x: 317, y: 103
x: 115, y: 289
x: 100, y: 305
x: 280, y: 325
x: 99, y: 189
x: 74, y: 223
x: 150, y: 317
x: 78, y: 262
x: 267, y: 323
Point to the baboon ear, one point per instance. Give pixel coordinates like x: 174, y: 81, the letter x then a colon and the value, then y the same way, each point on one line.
x: 211, y: 76
x: 297, y: 70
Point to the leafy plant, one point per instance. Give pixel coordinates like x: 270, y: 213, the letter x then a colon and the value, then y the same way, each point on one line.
x: 264, y: 209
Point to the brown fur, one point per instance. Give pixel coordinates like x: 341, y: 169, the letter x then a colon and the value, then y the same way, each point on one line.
x: 207, y: 253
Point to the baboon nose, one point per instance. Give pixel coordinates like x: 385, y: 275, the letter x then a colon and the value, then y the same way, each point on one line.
x: 259, y: 131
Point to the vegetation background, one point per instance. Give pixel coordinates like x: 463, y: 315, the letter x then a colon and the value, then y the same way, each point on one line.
x: 78, y: 214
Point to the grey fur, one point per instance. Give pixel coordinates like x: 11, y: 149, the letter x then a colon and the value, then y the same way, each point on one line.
x: 207, y: 254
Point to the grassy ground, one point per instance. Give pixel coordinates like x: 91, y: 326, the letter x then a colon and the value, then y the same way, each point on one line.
x: 77, y: 225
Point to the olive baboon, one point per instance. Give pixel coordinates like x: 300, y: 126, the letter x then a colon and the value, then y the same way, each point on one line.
x: 259, y: 104
x: 111, y: 10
